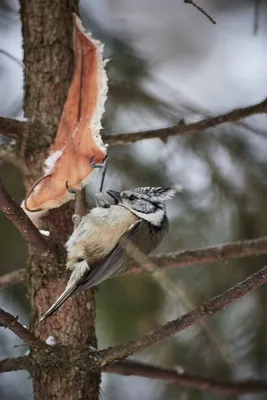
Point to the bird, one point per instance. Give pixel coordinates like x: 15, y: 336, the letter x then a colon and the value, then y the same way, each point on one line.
x: 108, y: 238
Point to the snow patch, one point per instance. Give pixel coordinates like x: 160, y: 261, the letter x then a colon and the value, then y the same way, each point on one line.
x: 51, y: 341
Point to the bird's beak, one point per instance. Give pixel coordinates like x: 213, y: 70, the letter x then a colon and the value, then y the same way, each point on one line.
x: 115, y: 195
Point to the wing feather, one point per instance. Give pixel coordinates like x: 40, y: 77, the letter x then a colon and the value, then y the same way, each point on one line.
x: 113, y: 261
x: 91, y: 275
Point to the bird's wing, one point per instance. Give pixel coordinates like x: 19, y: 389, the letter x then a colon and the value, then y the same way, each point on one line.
x: 131, y: 245
x: 87, y: 276
x: 108, y: 266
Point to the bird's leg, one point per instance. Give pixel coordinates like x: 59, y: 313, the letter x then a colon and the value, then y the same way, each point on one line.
x: 81, y: 208
x: 99, y: 198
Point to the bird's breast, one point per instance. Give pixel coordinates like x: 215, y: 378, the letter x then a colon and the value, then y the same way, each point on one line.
x: 98, y: 233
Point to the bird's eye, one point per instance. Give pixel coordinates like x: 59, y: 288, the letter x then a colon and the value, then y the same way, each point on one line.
x: 80, y: 259
x: 132, y: 197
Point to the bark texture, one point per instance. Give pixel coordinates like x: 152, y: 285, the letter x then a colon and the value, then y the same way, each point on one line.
x: 48, y: 60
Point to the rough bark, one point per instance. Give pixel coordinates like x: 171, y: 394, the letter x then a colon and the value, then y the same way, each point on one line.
x: 48, y: 60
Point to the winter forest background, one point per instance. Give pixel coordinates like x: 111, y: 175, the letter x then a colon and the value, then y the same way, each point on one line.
x: 168, y: 63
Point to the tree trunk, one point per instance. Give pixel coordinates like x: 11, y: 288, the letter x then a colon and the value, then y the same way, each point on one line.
x: 48, y: 60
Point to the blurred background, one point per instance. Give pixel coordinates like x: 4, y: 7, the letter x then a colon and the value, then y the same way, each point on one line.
x: 168, y: 62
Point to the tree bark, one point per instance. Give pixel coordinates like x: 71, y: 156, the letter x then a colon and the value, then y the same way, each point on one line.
x: 48, y: 60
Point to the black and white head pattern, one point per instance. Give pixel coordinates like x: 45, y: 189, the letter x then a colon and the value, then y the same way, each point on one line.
x: 148, y: 202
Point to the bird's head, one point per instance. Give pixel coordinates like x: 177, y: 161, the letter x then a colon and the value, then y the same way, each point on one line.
x: 147, y: 203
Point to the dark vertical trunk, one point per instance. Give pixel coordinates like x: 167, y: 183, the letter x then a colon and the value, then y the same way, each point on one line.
x: 48, y: 59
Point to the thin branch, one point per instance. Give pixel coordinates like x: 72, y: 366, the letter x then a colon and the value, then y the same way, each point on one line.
x: 184, y: 379
x: 186, y: 129
x: 15, y: 364
x: 13, y: 278
x: 13, y: 58
x: 22, y: 222
x: 9, y: 321
x: 184, y: 258
x: 12, y: 128
x: 207, y: 255
x: 6, y: 126
x: 210, y: 307
x: 200, y: 9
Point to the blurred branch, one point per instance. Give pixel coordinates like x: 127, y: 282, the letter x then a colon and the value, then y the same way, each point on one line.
x: 22, y: 222
x: 207, y: 255
x: 184, y: 258
x: 13, y: 278
x: 210, y: 307
x: 184, y: 379
x: 8, y: 153
x: 20, y: 127
x: 257, y: 4
x: 13, y: 58
x: 13, y: 128
x: 22, y: 131
x: 190, y: 128
x: 9, y: 321
x: 15, y: 364
x: 200, y: 9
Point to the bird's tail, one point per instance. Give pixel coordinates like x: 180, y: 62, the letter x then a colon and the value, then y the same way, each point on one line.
x: 58, y: 303
x: 74, y: 284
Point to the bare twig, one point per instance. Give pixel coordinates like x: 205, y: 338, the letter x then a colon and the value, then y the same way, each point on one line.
x: 207, y: 255
x: 22, y: 222
x: 184, y: 379
x: 15, y: 364
x: 13, y: 278
x: 162, y: 133
x: 185, y: 129
x: 200, y: 9
x: 184, y: 258
x: 13, y: 58
x: 9, y: 321
x: 210, y: 307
